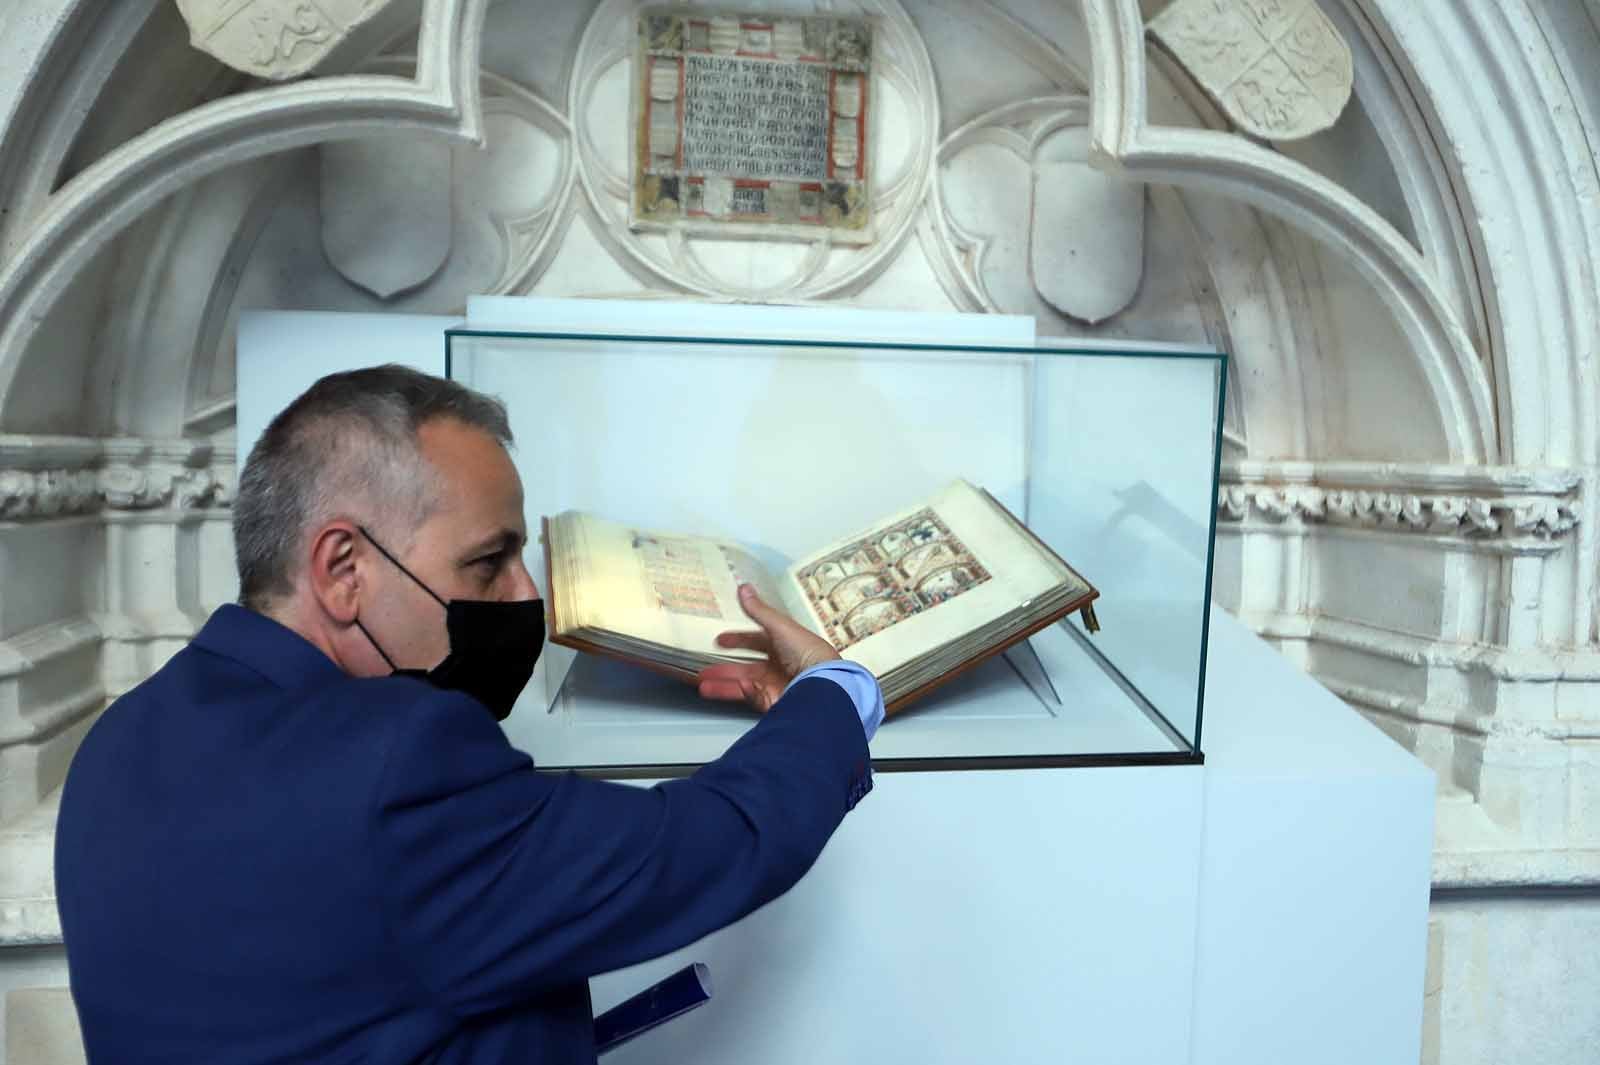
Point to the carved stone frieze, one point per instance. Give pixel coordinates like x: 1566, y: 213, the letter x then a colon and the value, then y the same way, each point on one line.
x: 1513, y: 512
x: 1277, y: 68
x: 134, y: 488
x: 47, y: 493
x: 118, y: 475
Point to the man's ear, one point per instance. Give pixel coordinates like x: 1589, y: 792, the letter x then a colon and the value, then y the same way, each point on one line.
x: 335, y: 579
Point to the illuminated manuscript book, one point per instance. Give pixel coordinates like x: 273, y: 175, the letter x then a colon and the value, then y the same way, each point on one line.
x: 917, y: 598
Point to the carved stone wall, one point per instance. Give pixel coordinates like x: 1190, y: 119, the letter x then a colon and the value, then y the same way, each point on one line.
x: 1409, y: 297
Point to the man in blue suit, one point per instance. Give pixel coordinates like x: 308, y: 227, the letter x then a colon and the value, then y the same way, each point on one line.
x: 306, y: 839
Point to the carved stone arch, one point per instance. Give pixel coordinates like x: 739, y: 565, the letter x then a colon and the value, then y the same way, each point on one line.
x: 84, y: 40
x: 178, y: 269
x: 1495, y: 280
x: 81, y: 216
x: 528, y: 242
x: 1407, y: 128
x: 1124, y: 138
x: 1257, y: 308
x: 1533, y: 196
x: 1536, y: 234
x: 1532, y: 226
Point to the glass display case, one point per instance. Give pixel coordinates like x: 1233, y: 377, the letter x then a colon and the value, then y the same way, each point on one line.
x: 1107, y: 455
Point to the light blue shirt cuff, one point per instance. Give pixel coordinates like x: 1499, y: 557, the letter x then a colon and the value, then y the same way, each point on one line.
x: 858, y: 683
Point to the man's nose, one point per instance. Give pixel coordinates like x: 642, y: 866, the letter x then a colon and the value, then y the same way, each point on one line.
x: 523, y: 584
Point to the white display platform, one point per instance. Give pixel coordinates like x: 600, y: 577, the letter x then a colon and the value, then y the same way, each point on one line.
x: 1267, y: 907
x: 989, y: 712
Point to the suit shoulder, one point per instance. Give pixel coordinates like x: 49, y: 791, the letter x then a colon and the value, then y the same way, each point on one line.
x: 412, y: 715
x: 399, y: 706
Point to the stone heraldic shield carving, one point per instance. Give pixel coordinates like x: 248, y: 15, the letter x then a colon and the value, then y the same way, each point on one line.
x: 274, y: 39
x: 755, y: 125
x: 1277, y: 68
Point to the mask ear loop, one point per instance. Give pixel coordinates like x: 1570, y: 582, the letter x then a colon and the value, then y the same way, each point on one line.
x: 401, y: 567
x: 377, y: 647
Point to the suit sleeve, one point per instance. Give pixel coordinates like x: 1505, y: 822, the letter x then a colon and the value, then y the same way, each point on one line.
x: 501, y: 882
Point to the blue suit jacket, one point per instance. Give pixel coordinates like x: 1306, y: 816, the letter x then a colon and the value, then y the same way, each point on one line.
x: 261, y: 859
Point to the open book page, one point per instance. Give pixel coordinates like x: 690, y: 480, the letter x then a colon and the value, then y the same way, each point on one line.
x: 680, y: 591
x: 923, y: 577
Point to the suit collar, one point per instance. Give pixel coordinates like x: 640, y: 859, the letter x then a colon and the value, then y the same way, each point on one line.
x: 271, y: 648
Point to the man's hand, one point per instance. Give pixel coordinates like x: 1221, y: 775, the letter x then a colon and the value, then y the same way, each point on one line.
x: 790, y: 648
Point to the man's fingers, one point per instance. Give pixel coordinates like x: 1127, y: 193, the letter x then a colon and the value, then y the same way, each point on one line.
x: 791, y: 646
x: 729, y: 688
x: 730, y: 670
x: 751, y: 641
x: 759, y: 611
x: 740, y: 678
x: 738, y: 683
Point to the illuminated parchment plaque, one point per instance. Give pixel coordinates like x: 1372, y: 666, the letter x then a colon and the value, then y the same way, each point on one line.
x: 755, y: 125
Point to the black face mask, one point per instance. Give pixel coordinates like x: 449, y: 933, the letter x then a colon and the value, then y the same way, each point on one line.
x: 493, y: 646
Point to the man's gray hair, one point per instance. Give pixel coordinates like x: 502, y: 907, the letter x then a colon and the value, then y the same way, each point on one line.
x: 347, y: 446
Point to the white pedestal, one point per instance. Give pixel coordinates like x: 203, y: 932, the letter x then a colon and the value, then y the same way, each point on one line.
x: 1269, y: 906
